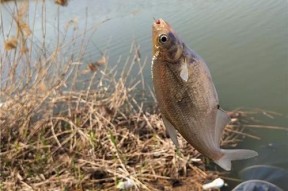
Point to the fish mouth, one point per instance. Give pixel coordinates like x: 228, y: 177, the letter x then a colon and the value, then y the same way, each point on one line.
x: 160, y: 24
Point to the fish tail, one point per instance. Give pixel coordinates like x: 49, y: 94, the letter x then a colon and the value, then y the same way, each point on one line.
x: 234, y: 154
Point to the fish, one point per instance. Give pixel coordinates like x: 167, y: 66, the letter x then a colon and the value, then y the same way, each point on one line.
x: 187, y: 98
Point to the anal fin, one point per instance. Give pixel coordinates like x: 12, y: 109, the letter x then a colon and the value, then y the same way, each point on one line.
x: 171, y: 131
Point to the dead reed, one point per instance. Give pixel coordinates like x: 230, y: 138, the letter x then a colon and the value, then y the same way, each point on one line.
x: 56, y: 136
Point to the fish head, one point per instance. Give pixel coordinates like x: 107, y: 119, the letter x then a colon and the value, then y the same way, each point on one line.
x: 166, y: 45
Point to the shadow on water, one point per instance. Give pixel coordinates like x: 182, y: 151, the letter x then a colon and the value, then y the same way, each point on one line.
x: 257, y: 185
x: 273, y: 154
x: 268, y: 172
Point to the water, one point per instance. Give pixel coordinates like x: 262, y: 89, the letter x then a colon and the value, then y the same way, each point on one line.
x: 245, y: 43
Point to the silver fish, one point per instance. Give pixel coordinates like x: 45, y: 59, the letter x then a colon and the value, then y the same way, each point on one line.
x: 187, y: 97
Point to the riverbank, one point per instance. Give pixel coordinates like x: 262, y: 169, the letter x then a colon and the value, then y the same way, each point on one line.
x: 93, y: 139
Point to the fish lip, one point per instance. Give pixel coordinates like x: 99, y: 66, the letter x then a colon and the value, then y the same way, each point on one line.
x: 160, y: 24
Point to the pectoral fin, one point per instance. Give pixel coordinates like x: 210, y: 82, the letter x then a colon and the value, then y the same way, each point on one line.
x: 171, y: 131
x: 184, y: 71
x: 222, y: 119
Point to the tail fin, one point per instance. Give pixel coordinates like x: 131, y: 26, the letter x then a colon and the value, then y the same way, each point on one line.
x: 234, y: 154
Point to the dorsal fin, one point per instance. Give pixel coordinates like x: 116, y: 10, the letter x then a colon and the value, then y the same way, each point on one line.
x: 222, y: 119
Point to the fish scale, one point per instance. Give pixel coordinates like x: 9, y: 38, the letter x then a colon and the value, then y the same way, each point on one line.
x: 176, y: 111
x: 187, y: 97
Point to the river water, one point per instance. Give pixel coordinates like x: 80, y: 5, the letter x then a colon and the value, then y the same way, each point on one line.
x: 244, y: 42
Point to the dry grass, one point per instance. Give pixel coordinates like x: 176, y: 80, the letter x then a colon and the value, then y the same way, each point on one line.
x: 56, y: 136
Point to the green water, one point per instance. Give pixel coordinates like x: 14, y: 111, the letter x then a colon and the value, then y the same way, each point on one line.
x: 245, y: 43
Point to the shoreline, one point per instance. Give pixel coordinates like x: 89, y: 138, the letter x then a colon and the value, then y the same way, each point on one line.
x: 101, y: 138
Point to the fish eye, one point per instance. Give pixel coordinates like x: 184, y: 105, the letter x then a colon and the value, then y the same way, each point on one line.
x: 163, y: 38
